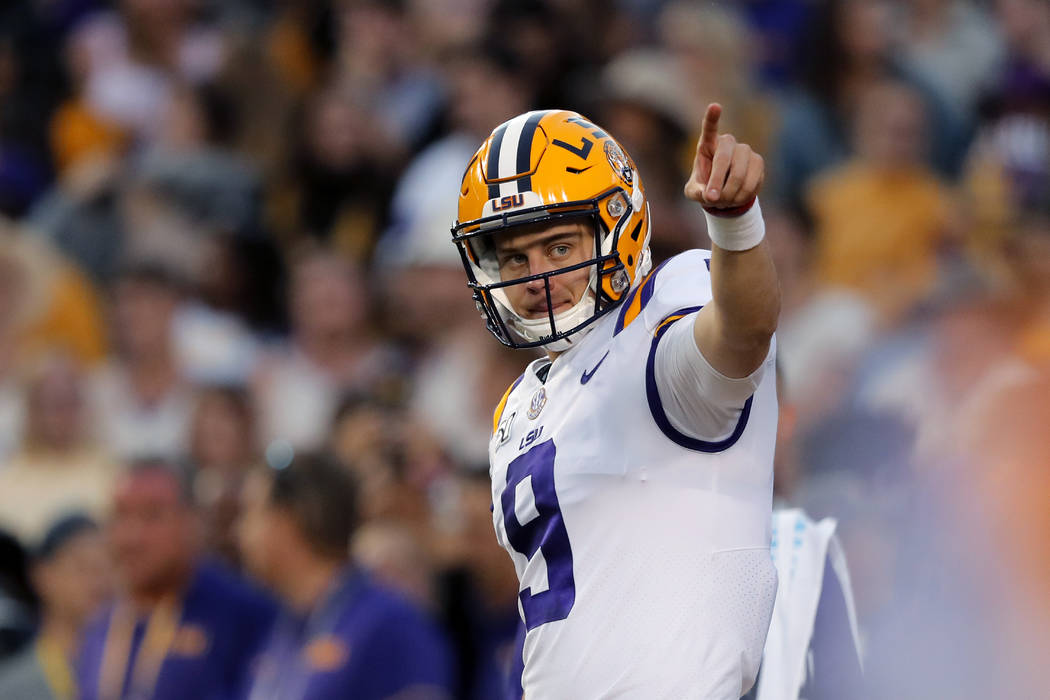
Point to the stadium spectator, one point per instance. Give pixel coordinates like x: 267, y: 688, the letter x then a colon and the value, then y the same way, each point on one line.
x: 140, y: 400
x: 848, y: 45
x: 718, y: 54
x: 167, y: 200
x: 71, y: 576
x: 80, y: 216
x: 333, y: 350
x: 1022, y: 83
x: 223, y: 449
x: 180, y: 627
x: 380, y: 58
x: 132, y: 56
x: 46, y: 304
x: 366, y: 437
x: 343, y: 167
x: 889, y: 256
x: 58, y: 467
x: 455, y: 386
x: 45, y: 301
x: 1009, y: 164
x: 192, y: 168
x: 342, y: 635
x: 953, y: 45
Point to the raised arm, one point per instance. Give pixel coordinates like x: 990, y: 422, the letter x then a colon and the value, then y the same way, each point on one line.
x: 733, y: 332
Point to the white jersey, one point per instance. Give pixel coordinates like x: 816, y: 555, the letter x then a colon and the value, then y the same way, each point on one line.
x: 642, y: 553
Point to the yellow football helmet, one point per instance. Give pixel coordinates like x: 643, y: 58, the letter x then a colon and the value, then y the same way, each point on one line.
x: 544, y: 166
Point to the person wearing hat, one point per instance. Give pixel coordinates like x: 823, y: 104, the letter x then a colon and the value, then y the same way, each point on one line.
x: 70, y: 573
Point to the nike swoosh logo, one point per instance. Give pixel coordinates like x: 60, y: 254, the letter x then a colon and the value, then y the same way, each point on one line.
x: 587, y: 375
x: 577, y: 171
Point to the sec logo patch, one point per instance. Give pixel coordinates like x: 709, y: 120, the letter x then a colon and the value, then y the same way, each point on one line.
x: 539, y: 400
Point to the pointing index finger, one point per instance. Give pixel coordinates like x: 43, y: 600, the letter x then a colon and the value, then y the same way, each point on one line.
x: 709, y: 130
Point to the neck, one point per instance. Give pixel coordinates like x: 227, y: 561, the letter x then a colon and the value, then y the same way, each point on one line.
x: 146, y: 598
x: 62, y: 632
x: 308, y: 583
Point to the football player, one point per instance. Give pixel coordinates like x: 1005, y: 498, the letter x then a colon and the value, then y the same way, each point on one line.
x: 632, y: 465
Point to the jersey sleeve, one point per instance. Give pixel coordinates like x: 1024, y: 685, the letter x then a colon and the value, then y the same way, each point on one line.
x: 698, y: 400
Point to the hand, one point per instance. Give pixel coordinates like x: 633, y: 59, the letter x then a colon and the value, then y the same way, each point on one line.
x: 726, y: 174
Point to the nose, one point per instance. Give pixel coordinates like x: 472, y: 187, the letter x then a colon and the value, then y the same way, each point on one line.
x: 538, y: 263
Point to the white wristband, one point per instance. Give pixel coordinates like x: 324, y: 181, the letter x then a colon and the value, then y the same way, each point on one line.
x: 737, y: 232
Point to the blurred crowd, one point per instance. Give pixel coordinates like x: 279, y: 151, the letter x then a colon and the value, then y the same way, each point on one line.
x: 228, y: 293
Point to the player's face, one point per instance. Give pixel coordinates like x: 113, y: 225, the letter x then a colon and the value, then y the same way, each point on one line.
x: 532, y: 250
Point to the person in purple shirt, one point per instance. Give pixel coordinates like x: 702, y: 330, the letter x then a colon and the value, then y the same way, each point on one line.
x: 181, y: 628
x: 342, y: 634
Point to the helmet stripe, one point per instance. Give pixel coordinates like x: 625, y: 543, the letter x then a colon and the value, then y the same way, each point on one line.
x: 508, y: 157
x: 492, y: 165
x: 525, y: 149
x: 516, y: 134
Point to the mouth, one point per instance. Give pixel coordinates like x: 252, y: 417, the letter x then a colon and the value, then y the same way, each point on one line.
x: 540, y: 310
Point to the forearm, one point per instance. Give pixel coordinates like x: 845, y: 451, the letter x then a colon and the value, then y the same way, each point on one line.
x: 746, y: 294
x: 734, y: 330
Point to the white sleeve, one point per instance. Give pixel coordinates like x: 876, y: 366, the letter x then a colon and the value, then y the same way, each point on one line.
x: 698, y: 400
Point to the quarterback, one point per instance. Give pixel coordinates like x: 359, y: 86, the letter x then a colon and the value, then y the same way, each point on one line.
x: 632, y: 465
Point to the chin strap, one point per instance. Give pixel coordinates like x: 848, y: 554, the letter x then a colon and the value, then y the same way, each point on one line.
x: 534, y: 329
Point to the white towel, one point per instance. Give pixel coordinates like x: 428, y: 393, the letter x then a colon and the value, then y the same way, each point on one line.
x: 799, y: 548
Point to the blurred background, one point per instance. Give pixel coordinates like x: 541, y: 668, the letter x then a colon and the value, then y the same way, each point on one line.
x: 224, y: 241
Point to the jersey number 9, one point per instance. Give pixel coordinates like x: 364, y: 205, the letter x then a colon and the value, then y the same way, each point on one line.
x: 535, y: 528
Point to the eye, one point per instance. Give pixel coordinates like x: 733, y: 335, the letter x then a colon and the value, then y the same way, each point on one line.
x: 513, y: 260
x: 560, y: 250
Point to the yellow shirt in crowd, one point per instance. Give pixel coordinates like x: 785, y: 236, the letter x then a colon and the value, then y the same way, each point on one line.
x: 877, y: 232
